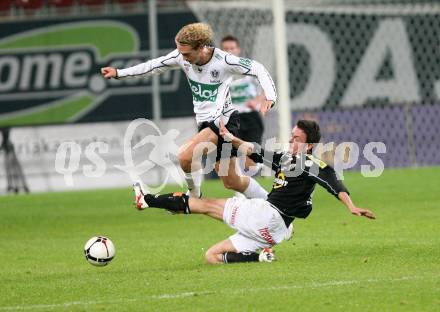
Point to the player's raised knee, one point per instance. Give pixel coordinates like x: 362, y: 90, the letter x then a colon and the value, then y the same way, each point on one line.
x: 211, y: 257
x: 184, y: 160
x: 230, y: 182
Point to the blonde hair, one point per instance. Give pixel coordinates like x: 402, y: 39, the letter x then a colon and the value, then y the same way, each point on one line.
x: 195, y: 35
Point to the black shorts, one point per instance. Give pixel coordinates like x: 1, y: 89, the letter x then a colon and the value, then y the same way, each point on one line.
x: 233, y: 126
x: 251, y: 127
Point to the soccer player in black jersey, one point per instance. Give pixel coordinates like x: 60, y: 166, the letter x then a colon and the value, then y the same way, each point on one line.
x: 260, y: 223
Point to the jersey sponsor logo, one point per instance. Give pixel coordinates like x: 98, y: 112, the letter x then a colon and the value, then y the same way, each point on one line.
x: 234, y: 215
x: 280, y: 181
x: 203, y: 92
x: 245, y: 62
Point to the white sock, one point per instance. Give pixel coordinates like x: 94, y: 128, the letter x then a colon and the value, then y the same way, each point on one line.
x: 239, y: 195
x: 194, y: 181
x: 253, y: 170
x: 255, y: 190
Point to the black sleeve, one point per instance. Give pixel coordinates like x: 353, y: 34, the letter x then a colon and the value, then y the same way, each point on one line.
x: 270, y: 159
x: 328, y: 179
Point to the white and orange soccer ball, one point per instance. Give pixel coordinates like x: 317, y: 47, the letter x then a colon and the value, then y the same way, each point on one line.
x: 99, y: 250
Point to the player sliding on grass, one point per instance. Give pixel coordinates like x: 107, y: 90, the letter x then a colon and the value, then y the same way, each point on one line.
x: 210, y: 72
x: 260, y: 223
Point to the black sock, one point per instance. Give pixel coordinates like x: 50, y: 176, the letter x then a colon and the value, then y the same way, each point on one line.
x: 175, y: 202
x: 231, y: 257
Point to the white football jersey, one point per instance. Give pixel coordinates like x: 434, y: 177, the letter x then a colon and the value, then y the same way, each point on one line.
x: 209, y: 83
x: 242, y: 90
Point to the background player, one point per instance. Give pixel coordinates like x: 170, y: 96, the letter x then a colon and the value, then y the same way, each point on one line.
x: 247, y: 98
x: 210, y: 72
x: 260, y: 223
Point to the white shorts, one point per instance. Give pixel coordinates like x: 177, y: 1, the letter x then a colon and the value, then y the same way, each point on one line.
x: 258, y: 225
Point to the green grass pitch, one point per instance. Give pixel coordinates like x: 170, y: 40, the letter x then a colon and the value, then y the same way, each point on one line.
x: 335, y: 262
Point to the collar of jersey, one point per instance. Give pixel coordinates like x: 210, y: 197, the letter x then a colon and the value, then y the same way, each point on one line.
x: 212, y: 56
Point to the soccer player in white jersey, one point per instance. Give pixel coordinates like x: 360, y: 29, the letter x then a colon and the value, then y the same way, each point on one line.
x: 210, y: 72
x: 247, y: 97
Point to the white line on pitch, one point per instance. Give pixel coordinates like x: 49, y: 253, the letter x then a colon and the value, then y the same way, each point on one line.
x: 200, y: 293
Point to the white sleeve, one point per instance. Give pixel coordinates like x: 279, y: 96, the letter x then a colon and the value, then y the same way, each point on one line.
x: 151, y: 67
x: 257, y: 86
x: 247, y: 67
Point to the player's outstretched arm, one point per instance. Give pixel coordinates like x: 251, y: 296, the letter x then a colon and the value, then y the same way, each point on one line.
x: 327, y: 178
x: 247, y: 67
x: 345, y: 198
x: 151, y: 67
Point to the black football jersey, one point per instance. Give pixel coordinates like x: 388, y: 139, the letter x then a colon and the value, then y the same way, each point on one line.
x: 294, y: 183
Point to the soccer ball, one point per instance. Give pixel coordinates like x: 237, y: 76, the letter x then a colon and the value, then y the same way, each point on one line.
x: 99, y: 250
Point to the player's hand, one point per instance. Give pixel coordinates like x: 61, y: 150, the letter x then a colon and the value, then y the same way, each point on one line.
x: 223, y: 130
x: 363, y: 213
x: 253, y: 104
x: 265, y: 106
x: 109, y: 72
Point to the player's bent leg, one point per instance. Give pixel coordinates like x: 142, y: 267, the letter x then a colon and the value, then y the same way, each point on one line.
x: 215, y: 254
x: 233, y: 180
x: 237, y: 249
x: 226, y: 252
x: 208, y: 206
x: 182, y: 203
x: 190, y: 151
x: 179, y: 203
x: 190, y: 155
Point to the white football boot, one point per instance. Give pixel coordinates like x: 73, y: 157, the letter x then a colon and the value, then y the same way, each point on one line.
x: 139, y: 194
x: 266, y: 255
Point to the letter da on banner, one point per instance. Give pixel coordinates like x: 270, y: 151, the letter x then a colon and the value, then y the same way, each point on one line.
x: 389, y: 40
x: 322, y: 61
x: 391, y: 37
x: 322, y: 65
